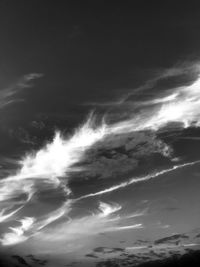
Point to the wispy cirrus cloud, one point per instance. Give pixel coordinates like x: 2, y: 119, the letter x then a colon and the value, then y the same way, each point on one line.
x: 30, y: 226
x: 9, y: 95
x: 55, y: 162
x: 79, y: 231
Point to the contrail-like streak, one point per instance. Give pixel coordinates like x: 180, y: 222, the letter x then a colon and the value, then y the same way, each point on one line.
x: 47, y: 165
x: 59, y: 158
x: 126, y: 227
x: 5, y: 216
x: 138, y: 180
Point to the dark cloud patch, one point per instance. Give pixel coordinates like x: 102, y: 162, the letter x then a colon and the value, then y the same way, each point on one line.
x: 156, y: 254
x: 108, y: 263
x: 191, y: 258
x: 121, y: 154
x: 173, y: 238
x: 188, y: 259
x: 100, y: 251
x: 90, y: 255
x: 20, y: 260
x: 36, y: 260
x: 141, y: 242
x: 107, y: 250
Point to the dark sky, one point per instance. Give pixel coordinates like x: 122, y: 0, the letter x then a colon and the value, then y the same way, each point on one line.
x: 88, y: 51
x: 94, y: 47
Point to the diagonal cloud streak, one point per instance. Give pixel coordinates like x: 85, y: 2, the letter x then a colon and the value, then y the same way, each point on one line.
x: 83, y: 229
x: 7, y: 95
x: 17, y: 234
x: 138, y: 180
x: 54, y: 163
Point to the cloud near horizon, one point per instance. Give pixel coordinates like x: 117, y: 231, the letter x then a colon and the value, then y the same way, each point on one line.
x: 97, y: 148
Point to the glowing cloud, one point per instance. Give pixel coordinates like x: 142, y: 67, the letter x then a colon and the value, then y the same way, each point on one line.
x: 51, y: 162
x: 60, y: 155
x: 107, y: 209
x: 180, y: 105
x: 17, y: 234
x: 54, y: 163
x: 30, y: 226
x: 77, y: 229
x: 126, y: 227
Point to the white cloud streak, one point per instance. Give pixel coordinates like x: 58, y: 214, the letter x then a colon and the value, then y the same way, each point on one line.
x: 59, y: 157
x: 138, y: 180
x: 30, y: 226
x: 125, y: 227
x: 50, y: 163
x: 179, y: 105
x: 4, y: 215
x: 78, y: 231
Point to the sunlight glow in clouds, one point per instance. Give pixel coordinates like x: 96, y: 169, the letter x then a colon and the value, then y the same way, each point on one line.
x: 51, y: 162
x: 31, y: 226
x: 58, y: 158
x: 184, y: 107
x: 17, y: 234
x: 181, y: 105
x: 60, y: 155
x: 107, y: 209
x: 85, y: 226
x: 126, y: 227
x: 78, y: 231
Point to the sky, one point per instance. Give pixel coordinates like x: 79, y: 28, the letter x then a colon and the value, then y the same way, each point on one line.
x: 99, y: 129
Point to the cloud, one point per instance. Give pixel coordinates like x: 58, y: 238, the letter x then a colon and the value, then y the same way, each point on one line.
x: 105, y: 146
x: 20, y: 260
x: 177, y: 103
x: 79, y: 231
x: 138, y: 180
x: 4, y: 215
x: 52, y: 216
x: 30, y: 226
x: 126, y: 227
x: 107, y: 209
x: 46, y: 166
x: 171, y: 239
x: 106, y: 250
x: 101, y: 149
x: 17, y: 233
x: 8, y: 95
x: 117, y: 155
